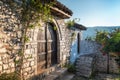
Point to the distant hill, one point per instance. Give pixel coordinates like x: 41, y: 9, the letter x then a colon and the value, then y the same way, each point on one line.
x: 91, y: 31
x: 104, y: 26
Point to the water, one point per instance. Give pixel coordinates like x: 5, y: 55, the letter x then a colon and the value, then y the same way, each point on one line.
x: 91, y: 31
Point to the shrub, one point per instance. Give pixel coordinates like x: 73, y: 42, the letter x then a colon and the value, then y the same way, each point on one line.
x: 71, y: 68
x: 10, y: 76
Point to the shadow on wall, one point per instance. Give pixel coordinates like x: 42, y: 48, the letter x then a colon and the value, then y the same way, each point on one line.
x: 86, y: 47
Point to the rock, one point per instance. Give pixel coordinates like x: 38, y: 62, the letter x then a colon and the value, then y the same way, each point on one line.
x: 5, y: 66
x: 12, y: 65
x: 0, y: 68
x: 3, y: 50
x: 32, y: 63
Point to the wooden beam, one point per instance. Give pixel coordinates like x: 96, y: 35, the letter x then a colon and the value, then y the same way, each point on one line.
x: 60, y: 11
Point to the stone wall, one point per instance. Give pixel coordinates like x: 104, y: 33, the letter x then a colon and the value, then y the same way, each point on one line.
x: 10, y: 35
x: 91, y: 63
x: 65, y: 42
x: 101, y: 64
x: 10, y: 42
x: 30, y: 55
x: 88, y: 46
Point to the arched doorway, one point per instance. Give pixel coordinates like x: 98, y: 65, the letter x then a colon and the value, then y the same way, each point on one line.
x: 47, y: 47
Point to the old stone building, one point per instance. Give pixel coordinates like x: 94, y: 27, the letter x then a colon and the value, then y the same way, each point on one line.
x: 47, y: 49
x: 76, y: 30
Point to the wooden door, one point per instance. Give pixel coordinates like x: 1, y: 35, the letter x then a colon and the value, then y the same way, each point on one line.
x: 51, y: 45
x: 47, y: 48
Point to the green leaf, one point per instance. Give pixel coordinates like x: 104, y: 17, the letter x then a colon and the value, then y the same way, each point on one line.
x: 31, y: 26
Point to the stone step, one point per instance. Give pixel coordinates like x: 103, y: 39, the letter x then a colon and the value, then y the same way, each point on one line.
x: 84, y: 66
x: 68, y: 76
x: 56, y: 75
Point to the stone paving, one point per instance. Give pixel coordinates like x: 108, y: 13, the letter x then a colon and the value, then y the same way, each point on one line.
x: 99, y: 76
x: 68, y: 76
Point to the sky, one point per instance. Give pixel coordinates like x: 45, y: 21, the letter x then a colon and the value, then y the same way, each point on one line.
x: 95, y: 12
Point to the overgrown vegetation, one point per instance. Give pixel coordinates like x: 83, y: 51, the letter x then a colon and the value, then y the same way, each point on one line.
x: 71, y: 68
x: 10, y: 76
x: 109, y: 40
x: 73, y: 35
x: 70, y: 23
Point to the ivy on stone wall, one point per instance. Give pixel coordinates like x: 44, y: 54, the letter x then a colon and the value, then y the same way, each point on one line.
x: 70, y: 26
x: 33, y: 12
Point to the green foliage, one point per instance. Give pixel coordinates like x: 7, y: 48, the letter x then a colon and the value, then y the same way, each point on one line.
x: 71, y: 68
x: 10, y: 76
x: 29, y: 57
x: 55, y: 28
x: 110, y: 40
x: 101, y: 37
x: 20, y: 53
x: 16, y: 61
x: 73, y: 35
x: 26, y: 38
x: 36, y: 9
x: 70, y: 23
x: 31, y: 26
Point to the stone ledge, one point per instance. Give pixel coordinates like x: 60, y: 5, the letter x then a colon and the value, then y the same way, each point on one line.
x: 56, y: 75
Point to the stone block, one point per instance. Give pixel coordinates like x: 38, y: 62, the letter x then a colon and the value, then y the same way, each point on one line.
x: 1, y: 62
x: 27, y: 51
x: 7, y: 71
x: 3, y: 50
x: 1, y: 43
x: 12, y: 69
x: 27, y: 69
x: 0, y: 68
x: 25, y: 64
x: 32, y: 63
x: 5, y: 61
x: 12, y: 64
x: 25, y: 73
x: 5, y: 66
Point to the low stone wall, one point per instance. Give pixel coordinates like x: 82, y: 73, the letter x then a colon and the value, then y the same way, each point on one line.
x: 87, y: 47
x: 101, y: 64
x: 96, y: 62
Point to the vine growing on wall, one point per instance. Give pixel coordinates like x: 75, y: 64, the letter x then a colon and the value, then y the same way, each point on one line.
x: 70, y: 23
x: 33, y: 12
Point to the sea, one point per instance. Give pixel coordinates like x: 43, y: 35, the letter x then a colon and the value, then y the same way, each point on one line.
x: 91, y: 31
